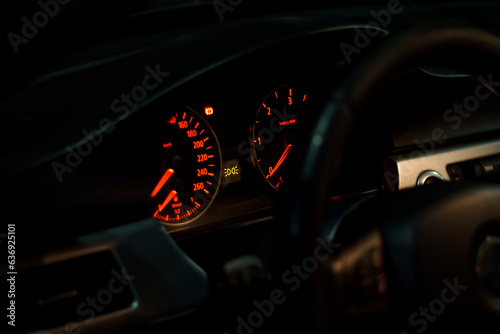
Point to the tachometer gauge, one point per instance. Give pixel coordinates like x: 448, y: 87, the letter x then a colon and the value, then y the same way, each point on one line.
x: 191, y: 168
x: 274, y: 131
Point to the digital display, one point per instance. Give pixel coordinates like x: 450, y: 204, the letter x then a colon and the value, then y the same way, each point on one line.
x: 231, y: 171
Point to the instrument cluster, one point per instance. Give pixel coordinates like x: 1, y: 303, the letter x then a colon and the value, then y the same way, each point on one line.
x: 224, y: 139
x: 192, y: 164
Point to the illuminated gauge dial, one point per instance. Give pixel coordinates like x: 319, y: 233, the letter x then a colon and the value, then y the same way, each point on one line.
x: 274, y: 131
x: 191, y: 169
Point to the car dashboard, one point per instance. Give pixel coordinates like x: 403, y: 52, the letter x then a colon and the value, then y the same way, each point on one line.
x: 188, y: 133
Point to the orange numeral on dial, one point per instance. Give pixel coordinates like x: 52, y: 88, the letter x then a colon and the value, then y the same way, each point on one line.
x: 198, y: 186
x: 198, y: 144
x: 202, y: 157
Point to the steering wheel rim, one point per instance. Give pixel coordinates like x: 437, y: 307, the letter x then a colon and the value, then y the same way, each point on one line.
x: 303, y: 207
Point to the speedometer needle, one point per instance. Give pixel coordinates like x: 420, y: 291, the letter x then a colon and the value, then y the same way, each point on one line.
x: 162, y: 182
x: 280, y: 161
x: 167, y: 200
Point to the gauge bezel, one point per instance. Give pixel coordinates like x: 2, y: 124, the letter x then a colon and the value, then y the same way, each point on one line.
x: 254, y: 156
x: 219, y: 179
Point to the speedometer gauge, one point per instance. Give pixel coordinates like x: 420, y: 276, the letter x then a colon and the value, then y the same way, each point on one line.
x: 190, y: 173
x: 274, y: 131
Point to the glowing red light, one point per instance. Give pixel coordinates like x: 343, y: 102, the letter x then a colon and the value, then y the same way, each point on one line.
x: 209, y: 111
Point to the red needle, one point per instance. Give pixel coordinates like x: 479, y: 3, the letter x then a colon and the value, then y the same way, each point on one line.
x: 167, y: 200
x: 162, y: 182
x: 280, y: 161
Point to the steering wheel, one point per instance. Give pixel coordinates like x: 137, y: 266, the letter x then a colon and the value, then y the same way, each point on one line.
x: 427, y: 253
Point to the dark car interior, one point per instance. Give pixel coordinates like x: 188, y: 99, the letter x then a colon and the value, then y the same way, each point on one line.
x: 237, y: 166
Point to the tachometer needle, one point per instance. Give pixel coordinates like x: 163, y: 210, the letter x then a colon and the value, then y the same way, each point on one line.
x: 162, y: 182
x: 280, y: 161
x: 167, y: 200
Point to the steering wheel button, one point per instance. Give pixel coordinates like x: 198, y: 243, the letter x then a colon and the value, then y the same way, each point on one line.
x: 488, y: 263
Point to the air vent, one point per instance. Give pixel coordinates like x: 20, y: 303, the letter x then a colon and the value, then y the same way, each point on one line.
x: 81, y: 288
